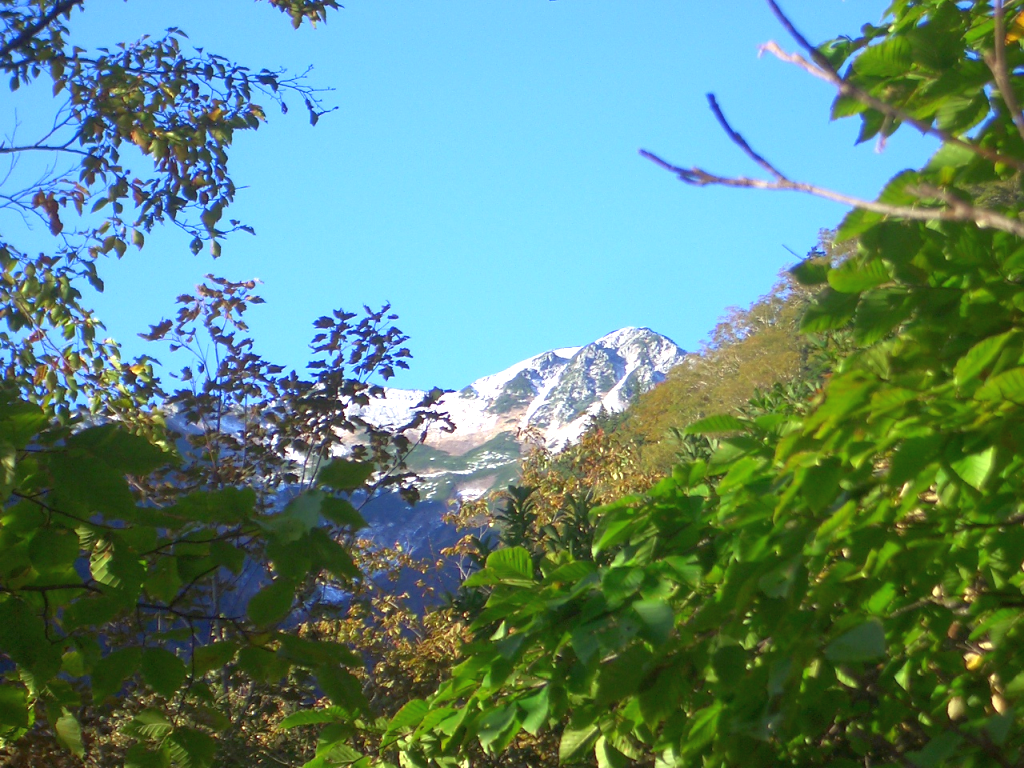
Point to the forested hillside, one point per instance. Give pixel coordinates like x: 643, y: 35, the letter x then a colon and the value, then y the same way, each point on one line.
x: 805, y: 548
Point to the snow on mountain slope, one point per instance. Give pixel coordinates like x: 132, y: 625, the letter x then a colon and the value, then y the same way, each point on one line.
x: 554, y: 393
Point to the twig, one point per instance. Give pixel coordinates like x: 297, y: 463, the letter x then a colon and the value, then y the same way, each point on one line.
x: 740, y: 141
x: 186, y: 616
x: 42, y: 148
x: 996, y: 63
x: 960, y: 211
x: 820, y: 67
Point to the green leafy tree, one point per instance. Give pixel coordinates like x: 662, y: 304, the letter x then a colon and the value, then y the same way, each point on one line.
x: 839, y: 584
x: 140, y: 136
x: 105, y: 574
x: 749, y: 351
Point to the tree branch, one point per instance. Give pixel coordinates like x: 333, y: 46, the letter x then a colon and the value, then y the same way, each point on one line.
x: 996, y: 62
x: 62, y: 7
x: 738, y: 140
x: 958, y: 210
x: 42, y: 148
x: 821, y: 68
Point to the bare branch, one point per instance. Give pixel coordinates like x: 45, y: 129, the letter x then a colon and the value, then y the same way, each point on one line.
x: 958, y: 210
x: 43, y: 148
x: 739, y: 141
x: 821, y: 68
x: 996, y: 62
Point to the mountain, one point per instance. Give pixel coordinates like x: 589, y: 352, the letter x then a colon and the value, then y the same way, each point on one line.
x: 550, y: 398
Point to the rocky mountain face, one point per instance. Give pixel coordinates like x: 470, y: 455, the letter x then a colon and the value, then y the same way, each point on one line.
x: 550, y: 398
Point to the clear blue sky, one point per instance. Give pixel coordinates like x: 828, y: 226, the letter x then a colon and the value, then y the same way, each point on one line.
x: 481, y: 172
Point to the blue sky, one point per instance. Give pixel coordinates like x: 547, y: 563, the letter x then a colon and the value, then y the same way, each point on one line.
x: 481, y: 170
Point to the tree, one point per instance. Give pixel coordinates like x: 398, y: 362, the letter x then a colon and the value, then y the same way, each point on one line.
x: 108, y: 578
x: 140, y: 137
x: 840, y: 583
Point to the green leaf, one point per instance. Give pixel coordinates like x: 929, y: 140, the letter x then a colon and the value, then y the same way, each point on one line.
x: 830, y: 311
x: 92, y: 611
x: 345, y: 475
x: 658, y: 619
x: 214, y: 656
x: 298, y: 518
x: 69, y: 733
x: 53, y: 549
x: 343, y: 688
x: 846, y: 106
x: 570, y: 573
x: 619, y: 678
x: 951, y: 156
x: 980, y: 356
x: 975, y: 469
x: 120, y: 450
x: 858, y: 275
x: 912, y: 456
x: 24, y: 639
x: 494, y: 723
x: 13, y: 706
x: 20, y: 422
x: 150, y: 724
x: 1008, y: 385
x: 535, y: 709
x: 998, y: 726
x: 272, y: 603
x: 330, y: 555
x: 409, y: 716
x: 85, y: 485
x: 878, y: 314
x: 225, y: 506
x: 112, y: 670
x: 336, y: 753
x: 262, y: 664
x: 292, y: 560
x: 511, y: 564
x: 821, y: 484
x: 164, y: 581
x: 140, y: 756
x: 811, y: 271
x: 864, y: 642
x: 607, y: 756
x: 575, y: 742
x: 730, y: 665
x: 190, y: 748
x: 341, y: 512
x: 313, y: 653
x: 892, y: 57
x: 163, y: 671
x: 856, y: 223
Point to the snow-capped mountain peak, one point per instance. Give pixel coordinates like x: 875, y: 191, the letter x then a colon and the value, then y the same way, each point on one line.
x: 554, y: 393
x: 552, y: 396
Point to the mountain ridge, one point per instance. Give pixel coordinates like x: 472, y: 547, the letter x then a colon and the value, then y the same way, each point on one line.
x: 548, y: 398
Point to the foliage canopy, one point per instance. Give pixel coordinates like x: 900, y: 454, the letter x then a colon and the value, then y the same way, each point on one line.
x: 840, y: 582
x: 121, y: 529
x: 833, y: 577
